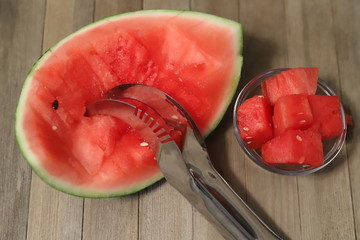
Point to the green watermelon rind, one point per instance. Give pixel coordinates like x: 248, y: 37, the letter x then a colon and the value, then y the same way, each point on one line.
x: 103, y: 193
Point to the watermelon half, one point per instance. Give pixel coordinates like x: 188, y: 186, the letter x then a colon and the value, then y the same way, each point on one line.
x: 193, y: 57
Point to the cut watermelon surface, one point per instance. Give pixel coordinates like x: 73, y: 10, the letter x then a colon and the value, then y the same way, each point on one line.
x: 193, y: 57
x: 293, y: 81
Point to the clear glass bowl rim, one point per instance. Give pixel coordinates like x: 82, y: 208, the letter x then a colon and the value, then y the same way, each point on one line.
x: 255, y: 157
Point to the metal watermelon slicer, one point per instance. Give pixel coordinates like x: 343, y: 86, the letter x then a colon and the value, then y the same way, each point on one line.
x: 188, y: 170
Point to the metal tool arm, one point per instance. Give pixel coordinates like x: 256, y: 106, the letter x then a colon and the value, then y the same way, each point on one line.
x: 208, y: 192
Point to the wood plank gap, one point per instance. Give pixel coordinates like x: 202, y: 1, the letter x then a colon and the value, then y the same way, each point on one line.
x: 138, y: 219
x: 93, y: 13
x: 351, y: 192
x: 298, y: 195
x: 82, y: 220
x: 42, y: 39
x: 28, y: 208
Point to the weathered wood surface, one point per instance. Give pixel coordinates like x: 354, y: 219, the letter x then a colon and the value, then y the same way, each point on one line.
x: 324, y: 205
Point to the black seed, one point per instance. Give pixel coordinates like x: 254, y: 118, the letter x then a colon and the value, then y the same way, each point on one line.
x: 55, y: 104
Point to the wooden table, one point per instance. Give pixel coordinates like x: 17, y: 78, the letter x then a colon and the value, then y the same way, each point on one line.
x: 324, y: 205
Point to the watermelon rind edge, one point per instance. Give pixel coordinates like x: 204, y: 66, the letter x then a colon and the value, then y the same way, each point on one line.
x: 96, y: 193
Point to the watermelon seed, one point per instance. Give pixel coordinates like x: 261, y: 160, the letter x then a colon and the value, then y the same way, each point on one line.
x: 55, y: 104
x: 144, y: 144
x: 300, y: 113
x: 54, y: 128
x: 246, y: 129
x: 301, y: 159
x: 260, y: 96
x: 248, y: 137
x: 249, y: 142
x: 174, y: 117
x: 298, y: 138
x: 302, y: 121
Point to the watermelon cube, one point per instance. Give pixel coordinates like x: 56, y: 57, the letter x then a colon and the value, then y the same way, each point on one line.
x: 327, y: 115
x: 292, y: 81
x: 302, y: 147
x: 94, y: 139
x: 292, y: 112
x: 254, y: 121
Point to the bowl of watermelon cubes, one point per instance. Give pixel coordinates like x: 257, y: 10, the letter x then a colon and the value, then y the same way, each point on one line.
x: 289, y: 121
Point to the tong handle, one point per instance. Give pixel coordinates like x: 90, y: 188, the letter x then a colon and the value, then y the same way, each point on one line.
x: 218, y: 202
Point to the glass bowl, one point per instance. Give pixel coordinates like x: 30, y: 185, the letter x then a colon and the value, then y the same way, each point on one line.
x: 331, y: 147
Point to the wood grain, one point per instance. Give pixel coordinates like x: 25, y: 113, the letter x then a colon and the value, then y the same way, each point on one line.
x: 55, y: 215
x: 113, y: 218
x: 17, y: 19
x: 106, y: 8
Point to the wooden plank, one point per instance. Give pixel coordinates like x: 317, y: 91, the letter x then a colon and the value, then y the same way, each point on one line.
x: 324, y: 197
x: 224, y: 150
x: 106, y: 8
x: 55, y: 215
x: 21, y: 25
x: 111, y: 218
x: 346, y: 15
x: 164, y: 214
x: 169, y: 4
x: 114, y: 218
x: 273, y: 197
x: 83, y: 13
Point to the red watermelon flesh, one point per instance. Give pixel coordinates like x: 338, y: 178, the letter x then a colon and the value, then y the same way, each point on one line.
x: 254, y: 121
x: 327, y: 115
x: 177, y: 52
x: 292, y: 112
x: 303, y: 147
x: 292, y: 81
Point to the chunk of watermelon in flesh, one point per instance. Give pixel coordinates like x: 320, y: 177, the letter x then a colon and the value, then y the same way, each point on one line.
x: 80, y: 61
x: 293, y: 81
x: 60, y: 91
x: 292, y: 112
x: 75, y: 95
x: 125, y: 57
x: 130, y: 152
x: 53, y: 151
x: 42, y: 102
x: 327, y: 115
x: 188, y: 98
x: 299, y: 147
x: 131, y: 155
x: 93, y: 139
x: 48, y: 130
x: 254, y: 121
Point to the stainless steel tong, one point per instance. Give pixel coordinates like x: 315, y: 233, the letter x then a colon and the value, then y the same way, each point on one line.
x: 189, y: 170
